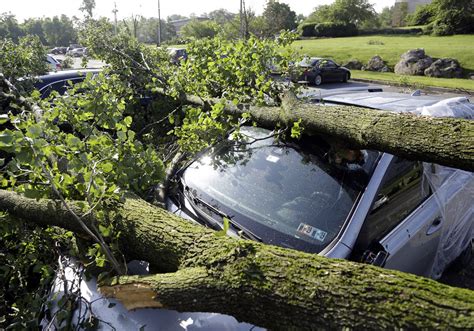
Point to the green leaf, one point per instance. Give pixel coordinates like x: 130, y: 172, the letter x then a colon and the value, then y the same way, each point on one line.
x: 128, y: 121
x: 105, y: 231
x: 224, y: 230
x: 107, y: 167
x: 4, y: 118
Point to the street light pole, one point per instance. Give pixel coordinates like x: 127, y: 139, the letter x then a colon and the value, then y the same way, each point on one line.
x: 115, y: 17
x: 159, y: 24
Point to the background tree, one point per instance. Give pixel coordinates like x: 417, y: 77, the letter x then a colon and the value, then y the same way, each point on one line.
x: 221, y: 16
x: 343, y: 11
x: 175, y: 17
x: 200, y: 29
x: 278, y: 16
x: 87, y: 7
x: 320, y: 14
x: 400, y: 13
x: 352, y: 11
x: 452, y: 16
x: 9, y: 27
x: 385, y: 17
x: 59, y: 31
x: 34, y: 26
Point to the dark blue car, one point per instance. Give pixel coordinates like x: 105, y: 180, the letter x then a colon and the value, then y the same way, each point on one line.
x: 317, y: 70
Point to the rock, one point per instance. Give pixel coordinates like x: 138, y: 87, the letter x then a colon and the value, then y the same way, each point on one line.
x: 471, y: 75
x: 414, y: 62
x: 376, y: 64
x: 353, y: 64
x: 444, y: 68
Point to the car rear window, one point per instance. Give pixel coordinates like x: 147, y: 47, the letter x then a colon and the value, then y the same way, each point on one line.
x: 291, y: 194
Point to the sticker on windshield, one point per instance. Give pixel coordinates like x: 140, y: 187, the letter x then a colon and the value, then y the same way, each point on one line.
x: 272, y: 158
x: 312, y: 232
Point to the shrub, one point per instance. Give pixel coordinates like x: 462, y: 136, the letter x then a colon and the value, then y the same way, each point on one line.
x: 330, y: 29
x: 307, y: 29
x: 389, y: 31
x: 67, y: 63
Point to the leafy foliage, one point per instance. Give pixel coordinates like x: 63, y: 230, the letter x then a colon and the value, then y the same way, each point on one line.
x: 23, y: 59
x: 343, y: 11
x: 113, y: 133
x: 200, y: 29
x: 278, y: 16
x: 25, y: 272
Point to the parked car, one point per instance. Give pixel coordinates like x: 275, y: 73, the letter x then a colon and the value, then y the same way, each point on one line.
x: 317, y: 70
x: 59, y: 50
x: 77, y: 52
x: 73, y: 46
x: 61, y: 81
x: 53, y: 64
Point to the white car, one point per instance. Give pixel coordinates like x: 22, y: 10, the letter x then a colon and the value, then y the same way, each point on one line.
x: 374, y: 207
x: 53, y: 64
x: 77, y: 52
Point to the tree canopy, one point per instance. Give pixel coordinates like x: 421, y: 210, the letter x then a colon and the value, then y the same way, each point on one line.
x: 345, y: 11
x: 278, y: 16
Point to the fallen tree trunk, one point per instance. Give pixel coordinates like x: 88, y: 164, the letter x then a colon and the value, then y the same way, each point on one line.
x: 266, y: 285
x: 446, y: 141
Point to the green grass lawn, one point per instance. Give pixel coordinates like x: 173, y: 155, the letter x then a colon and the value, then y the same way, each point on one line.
x: 460, y: 47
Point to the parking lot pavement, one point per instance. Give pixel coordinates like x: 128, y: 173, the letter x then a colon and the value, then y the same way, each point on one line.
x: 91, y: 63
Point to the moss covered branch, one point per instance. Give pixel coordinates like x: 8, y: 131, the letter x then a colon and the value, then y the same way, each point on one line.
x: 269, y: 286
x: 446, y: 141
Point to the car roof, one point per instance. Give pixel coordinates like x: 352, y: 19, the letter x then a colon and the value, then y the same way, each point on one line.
x: 63, y: 75
x: 391, y: 101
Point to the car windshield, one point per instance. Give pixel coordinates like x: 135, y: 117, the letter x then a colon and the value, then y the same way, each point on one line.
x: 308, y: 62
x: 291, y: 194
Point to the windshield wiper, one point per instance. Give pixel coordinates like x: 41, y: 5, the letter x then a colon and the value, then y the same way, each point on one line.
x: 194, y: 201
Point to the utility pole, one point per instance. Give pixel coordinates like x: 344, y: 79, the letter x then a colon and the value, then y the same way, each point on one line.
x: 159, y: 24
x: 115, y: 17
x: 243, y: 20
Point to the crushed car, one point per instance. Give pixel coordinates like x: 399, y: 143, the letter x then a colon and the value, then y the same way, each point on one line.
x: 315, y: 195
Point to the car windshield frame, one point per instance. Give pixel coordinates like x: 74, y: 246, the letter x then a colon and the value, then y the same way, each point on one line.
x: 273, y: 227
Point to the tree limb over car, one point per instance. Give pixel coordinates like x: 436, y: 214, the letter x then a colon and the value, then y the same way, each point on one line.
x: 446, y: 141
x: 256, y: 282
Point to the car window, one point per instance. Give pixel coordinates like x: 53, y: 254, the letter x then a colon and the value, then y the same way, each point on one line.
x: 401, y: 192
x: 60, y: 86
x: 287, y: 193
x: 327, y: 64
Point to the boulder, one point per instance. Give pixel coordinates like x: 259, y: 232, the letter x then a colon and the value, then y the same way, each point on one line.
x: 414, y: 62
x: 376, y: 64
x: 444, y: 68
x: 353, y: 64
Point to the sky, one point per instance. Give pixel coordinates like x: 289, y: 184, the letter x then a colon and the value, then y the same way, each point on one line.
x: 23, y: 9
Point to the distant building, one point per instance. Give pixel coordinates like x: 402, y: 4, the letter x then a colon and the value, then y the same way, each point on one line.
x: 178, y: 25
x: 404, y: 7
x: 412, y: 4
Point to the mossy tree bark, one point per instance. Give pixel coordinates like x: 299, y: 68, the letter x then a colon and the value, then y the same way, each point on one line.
x: 446, y: 141
x: 269, y: 286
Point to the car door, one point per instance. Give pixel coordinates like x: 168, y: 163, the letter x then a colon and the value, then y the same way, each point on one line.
x: 402, y: 229
x: 437, y: 232
x: 327, y: 69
